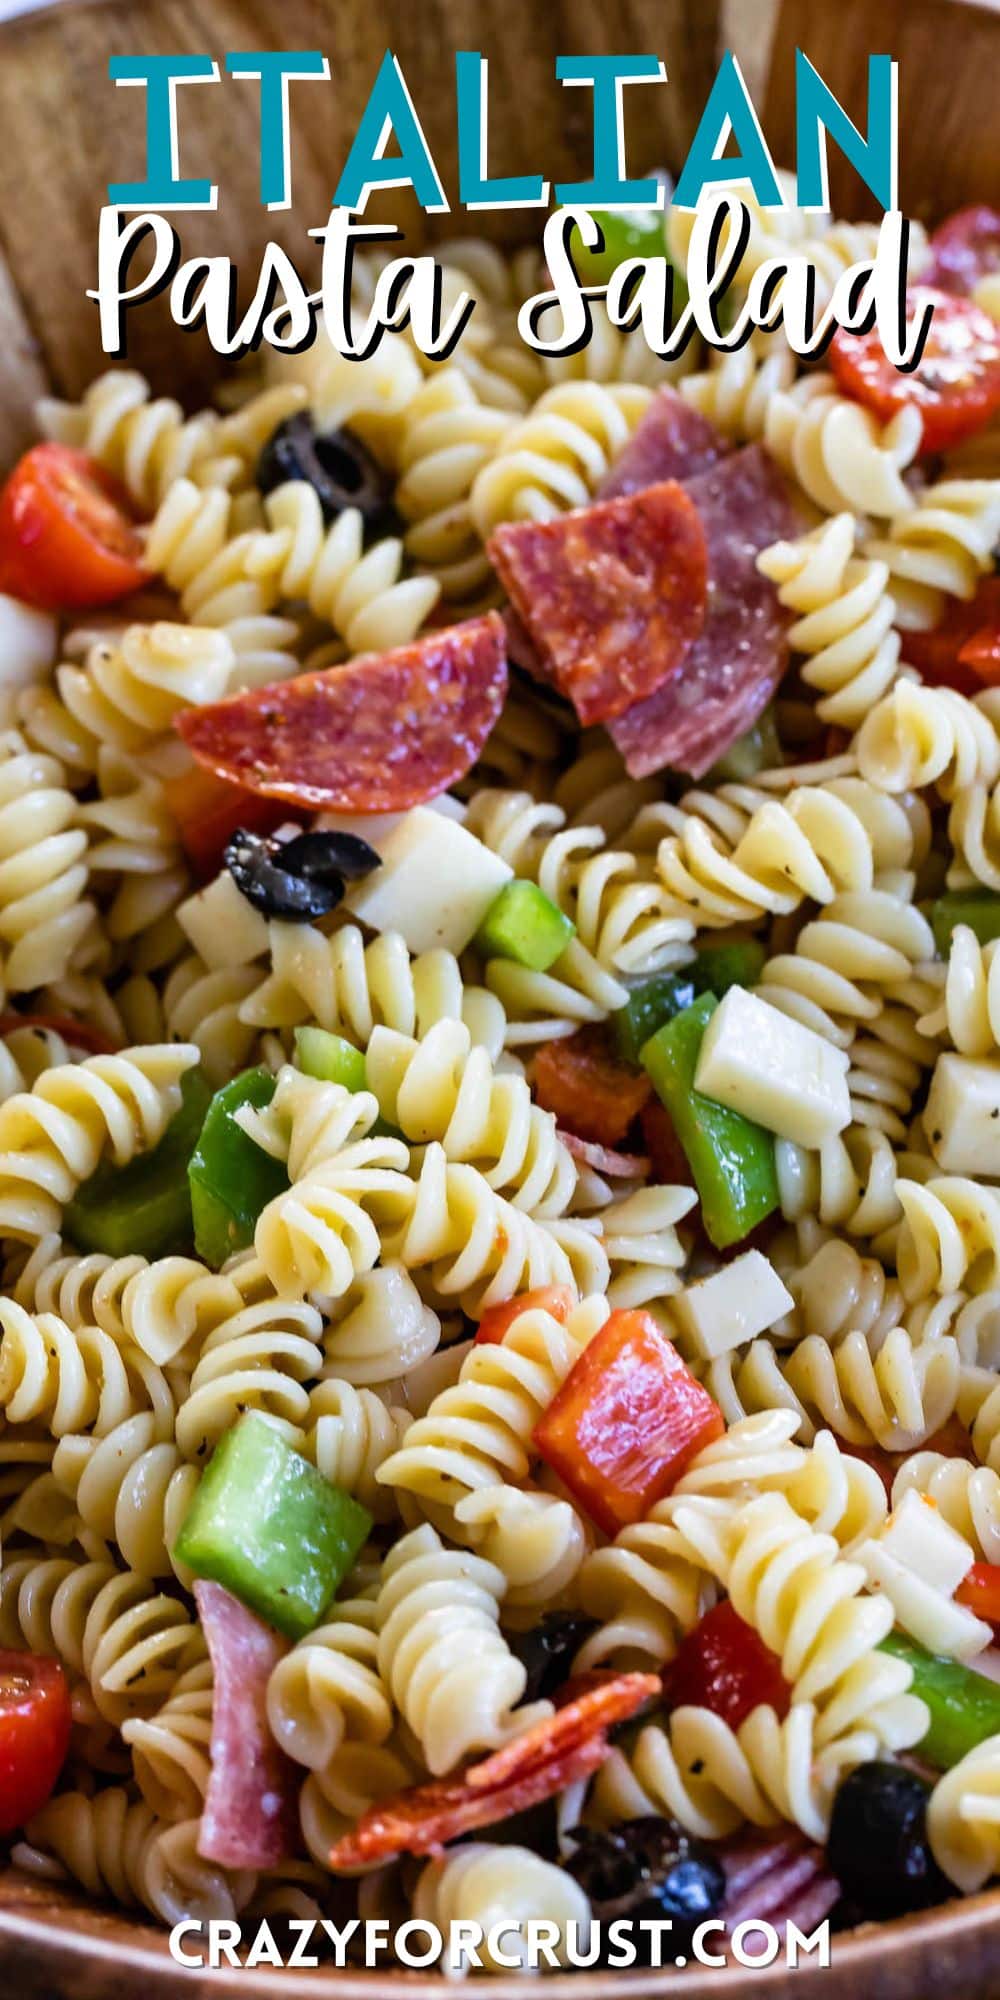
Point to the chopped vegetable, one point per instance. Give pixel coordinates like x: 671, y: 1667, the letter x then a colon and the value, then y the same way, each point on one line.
x: 269, y: 1527
x: 547, y: 1651
x: 67, y: 538
x: 329, y: 1057
x: 231, y: 1179
x: 723, y: 1665
x: 732, y: 1160
x: 337, y: 465
x: 387, y: 731
x: 668, y: 1162
x: 35, y: 1722
x: 978, y: 908
x: 963, y: 249
x: 761, y: 1062
x: 956, y: 385
x: 937, y: 653
x: 497, y: 1320
x: 878, y: 1842
x: 268, y: 872
x: 626, y: 1422
x: 964, y: 1706
x: 648, y: 1871
x: 627, y: 232
x: 144, y: 1208
x: 590, y: 1091
x: 533, y: 1766
x: 716, y: 968
x: 757, y: 750
x: 207, y: 811
x: 525, y: 925
x: 981, y: 654
x: 979, y: 1591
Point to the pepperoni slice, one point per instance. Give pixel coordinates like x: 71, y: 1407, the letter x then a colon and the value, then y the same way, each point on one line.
x: 612, y: 596
x: 956, y: 386
x: 553, y: 1754
x: 388, y: 731
x: 672, y: 440
x: 964, y: 249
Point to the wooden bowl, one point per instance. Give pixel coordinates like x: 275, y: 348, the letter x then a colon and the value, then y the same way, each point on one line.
x: 67, y: 132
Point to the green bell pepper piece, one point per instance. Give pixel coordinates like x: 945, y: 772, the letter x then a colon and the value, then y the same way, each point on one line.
x: 757, y: 750
x: 716, y: 968
x: 732, y: 1159
x: 330, y: 1057
x: 627, y: 232
x: 268, y: 1526
x: 144, y: 1208
x: 231, y: 1179
x: 979, y: 908
x: 964, y: 1706
x: 523, y: 923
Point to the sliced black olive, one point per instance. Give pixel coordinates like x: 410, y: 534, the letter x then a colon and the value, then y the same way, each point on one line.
x: 257, y: 868
x: 337, y: 464
x: 547, y: 1649
x: 878, y: 1847
x: 325, y: 855
x: 649, y: 1869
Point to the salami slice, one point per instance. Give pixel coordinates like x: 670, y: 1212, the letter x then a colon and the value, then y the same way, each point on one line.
x: 388, y: 731
x: 249, y: 1818
x: 963, y: 250
x: 734, y: 665
x: 672, y: 440
x: 611, y: 595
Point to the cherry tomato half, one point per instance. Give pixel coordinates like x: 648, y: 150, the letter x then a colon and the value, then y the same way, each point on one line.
x: 956, y: 387
x: 939, y: 654
x: 67, y: 538
x: 964, y: 249
x: 34, y: 1733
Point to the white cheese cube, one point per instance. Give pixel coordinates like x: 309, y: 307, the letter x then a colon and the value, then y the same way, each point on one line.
x: 785, y: 1077
x: 732, y: 1306
x: 28, y: 643
x: 435, y: 884
x: 934, y: 1620
x: 223, y: 927
x: 376, y: 827
x: 962, y: 1119
x: 917, y: 1535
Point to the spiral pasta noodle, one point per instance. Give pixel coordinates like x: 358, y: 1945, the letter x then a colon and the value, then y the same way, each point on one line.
x: 490, y: 1885
x: 556, y: 457
x: 844, y: 618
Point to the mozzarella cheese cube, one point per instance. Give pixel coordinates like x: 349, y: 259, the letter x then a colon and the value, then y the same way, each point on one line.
x: 732, y: 1306
x: 917, y: 1535
x: 962, y: 1119
x: 28, y: 643
x: 785, y: 1077
x: 435, y: 884
x: 931, y: 1618
x: 222, y: 926
x: 376, y: 827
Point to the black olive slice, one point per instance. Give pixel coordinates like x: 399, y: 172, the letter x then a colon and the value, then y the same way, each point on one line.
x: 648, y: 1869
x: 547, y: 1649
x: 878, y: 1847
x: 324, y: 854
x: 336, y: 464
x: 256, y: 866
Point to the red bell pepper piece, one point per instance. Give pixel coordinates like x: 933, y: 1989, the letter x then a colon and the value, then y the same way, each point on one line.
x: 208, y: 811
x: 725, y: 1666
x: 497, y: 1320
x: 980, y: 1591
x: 79, y: 1034
x: 627, y: 1421
x: 590, y: 1090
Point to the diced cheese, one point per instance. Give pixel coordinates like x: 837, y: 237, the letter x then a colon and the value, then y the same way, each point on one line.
x: 28, y: 643
x: 962, y: 1119
x: 785, y: 1077
x: 931, y: 1618
x: 917, y: 1534
x: 223, y: 927
x: 435, y: 884
x: 732, y: 1306
x: 376, y: 827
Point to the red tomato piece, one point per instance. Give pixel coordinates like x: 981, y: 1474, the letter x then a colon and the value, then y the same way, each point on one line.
x: 34, y: 1733
x: 979, y: 1591
x: 956, y: 386
x: 80, y: 1034
x: 387, y: 731
x: 937, y: 653
x: 68, y: 541
x: 981, y: 654
x: 590, y: 1090
x: 725, y: 1666
x: 964, y: 249
x: 208, y: 811
x: 497, y: 1321
x: 627, y: 1421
